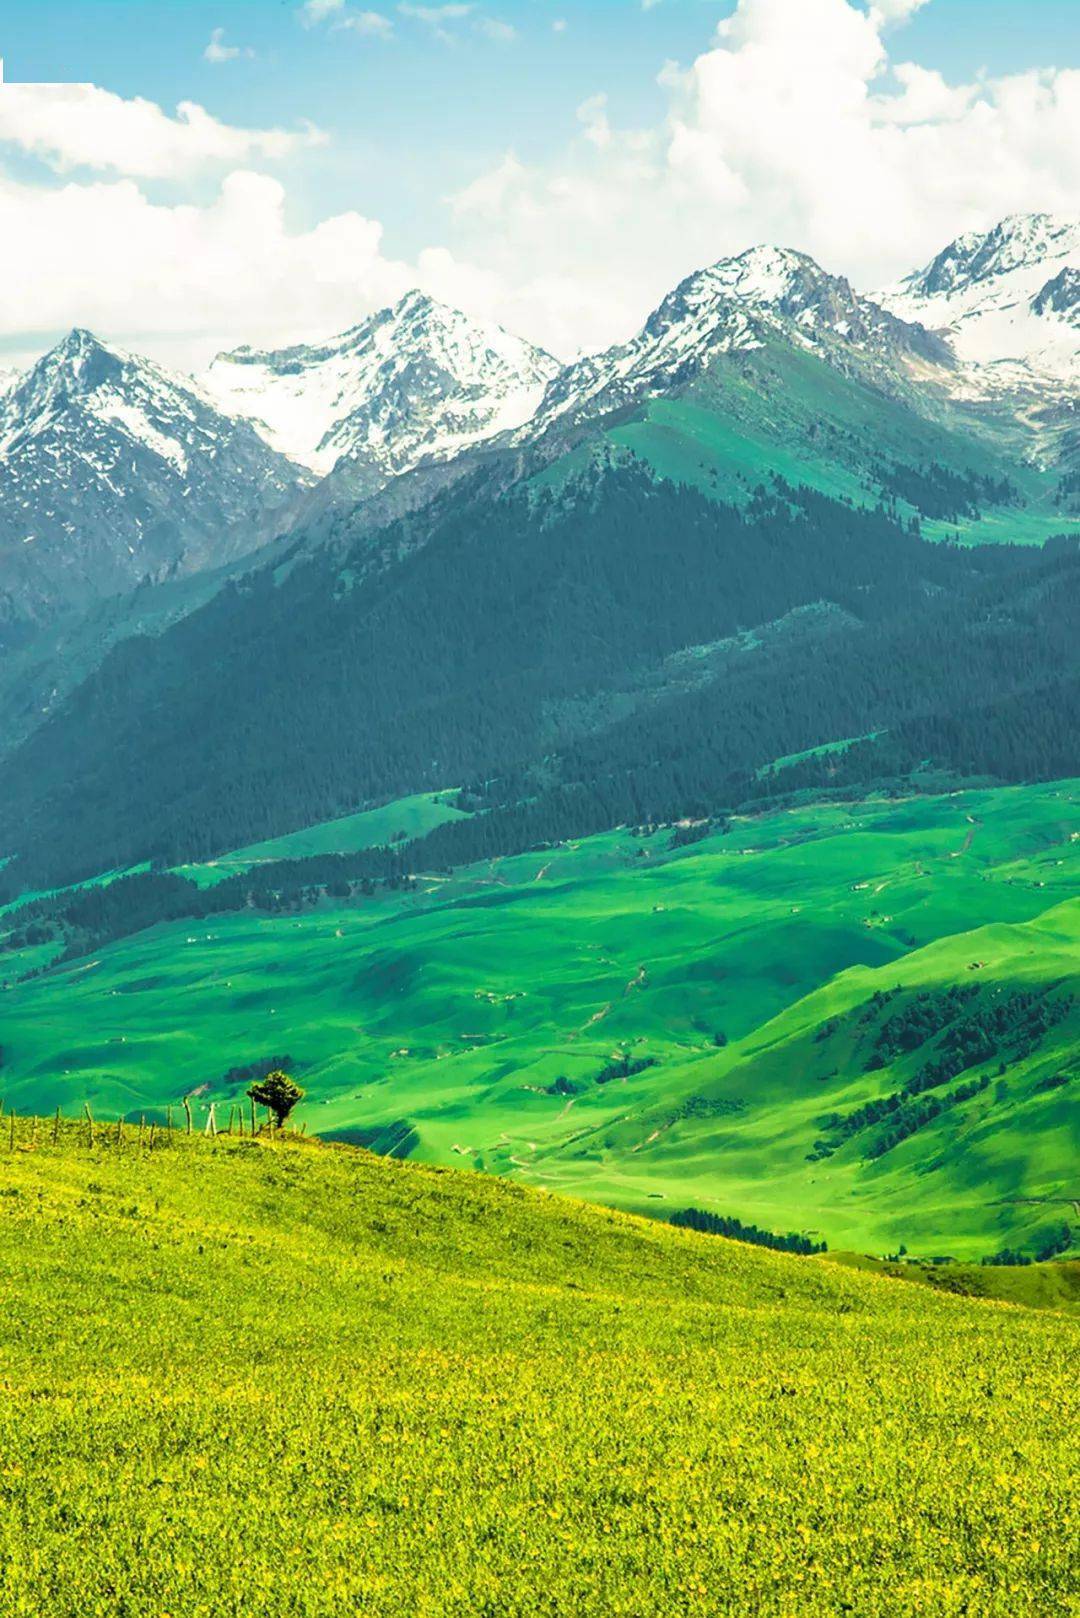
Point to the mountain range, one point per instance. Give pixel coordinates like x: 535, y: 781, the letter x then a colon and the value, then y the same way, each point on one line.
x: 114, y: 471
x: 425, y: 482
x: 416, y: 380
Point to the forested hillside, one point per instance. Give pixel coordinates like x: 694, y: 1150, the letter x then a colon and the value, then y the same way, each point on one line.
x: 624, y: 648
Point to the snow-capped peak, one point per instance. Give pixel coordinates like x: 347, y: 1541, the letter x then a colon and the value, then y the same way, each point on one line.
x: 416, y: 381
x: 1025, y: 242
x: 734, y: 306
x: 1008, y: 294
x: 85, y: 377
x: 112, y: 469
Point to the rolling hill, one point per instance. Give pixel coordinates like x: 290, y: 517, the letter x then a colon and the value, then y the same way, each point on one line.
x: 653, y: 1025
x: 273, y: 1375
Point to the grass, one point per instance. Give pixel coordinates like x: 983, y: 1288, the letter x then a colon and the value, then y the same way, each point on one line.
x: 446, y: 1018
x: 1032, y: 1286
x: 400, y: 821
x: 779, y: 411
x: 284, y: 1379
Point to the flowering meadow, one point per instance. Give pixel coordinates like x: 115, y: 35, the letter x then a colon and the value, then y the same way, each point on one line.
x: 270, y: 1377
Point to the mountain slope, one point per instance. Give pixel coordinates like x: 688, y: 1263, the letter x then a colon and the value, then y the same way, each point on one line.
x: 113, y: 471
x: 418, y: 1392
x: 766, y: 365
x: 488, y: 635
x: 416, y: 381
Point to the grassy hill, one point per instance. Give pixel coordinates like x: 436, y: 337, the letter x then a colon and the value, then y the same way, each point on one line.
x: 786, y: 412
x: 290, y: 1379
x: 645, y: 1025
x: 400, y: 821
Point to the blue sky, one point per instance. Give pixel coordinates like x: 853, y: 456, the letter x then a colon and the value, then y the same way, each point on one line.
x: 571, y: 213
x: 415, y: 118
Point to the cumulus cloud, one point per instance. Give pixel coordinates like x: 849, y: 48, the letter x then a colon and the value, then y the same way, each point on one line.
x: 182, y: 277
x: 593, y: 117
x: 73, y: 126
x: 794, y: 127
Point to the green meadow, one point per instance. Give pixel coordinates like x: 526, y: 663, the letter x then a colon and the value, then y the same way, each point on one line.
x: 646, y: 1026
x: 400, y: 821
x: 282, y: 1378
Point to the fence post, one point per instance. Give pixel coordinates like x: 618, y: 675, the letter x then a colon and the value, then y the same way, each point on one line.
x: 119, y: 1129
x: 168, y: 1117
x: 253, y: 1130
x: 11, y: 1134
x: 89, y: 1120
x: 151, y: 1147
x: 211, y: 1121
x: 56, y: 1127
x: 187, y: 1110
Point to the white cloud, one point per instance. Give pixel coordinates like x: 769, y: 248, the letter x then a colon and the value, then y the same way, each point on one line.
x: 926, y: 98
x: 890, y: 12
x: 181, y: 280
x: 437, y: 18
x: 372, y: 24
x: 559, y: 25
x: 314, y: 12
x: 592, y: 116
x: 217, y: 51
x: 72, y: 126
x: 369, y: 24
x: 494, y: 28
x: 793, y: 127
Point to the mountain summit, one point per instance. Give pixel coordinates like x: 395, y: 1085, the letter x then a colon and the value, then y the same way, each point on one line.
x: 1009, y: 294
x: 417, y: 381
x: 738, y: 305
x: 113, y: 470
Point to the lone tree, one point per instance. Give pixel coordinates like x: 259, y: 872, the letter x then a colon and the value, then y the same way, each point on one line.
x: 278, y: 1093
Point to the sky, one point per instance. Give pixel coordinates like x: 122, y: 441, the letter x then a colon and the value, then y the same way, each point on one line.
x: 186, y: 177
